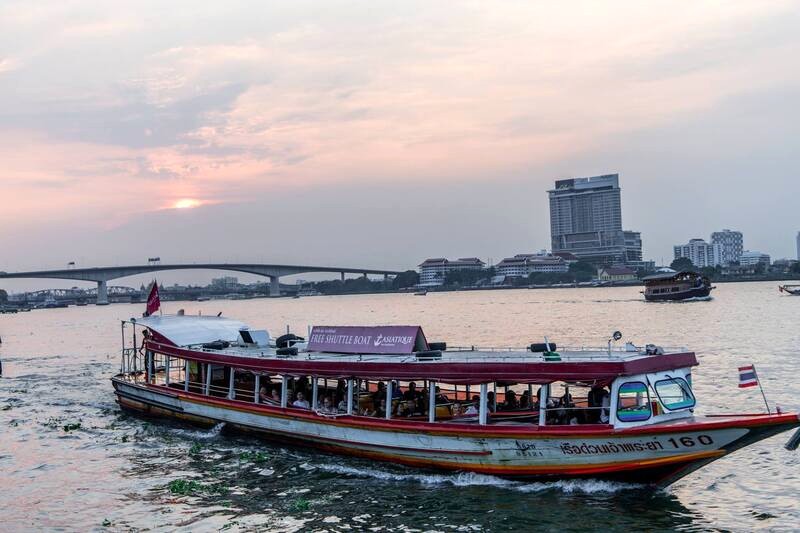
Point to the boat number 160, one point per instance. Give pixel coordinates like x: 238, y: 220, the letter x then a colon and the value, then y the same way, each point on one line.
x: 688, y: 442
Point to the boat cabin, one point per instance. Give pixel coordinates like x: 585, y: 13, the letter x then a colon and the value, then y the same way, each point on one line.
x: 410, y: 382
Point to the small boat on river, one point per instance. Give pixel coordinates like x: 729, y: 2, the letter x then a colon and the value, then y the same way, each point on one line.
x: 793, y: 289
x: 676, y: 286
x: 386, y: 393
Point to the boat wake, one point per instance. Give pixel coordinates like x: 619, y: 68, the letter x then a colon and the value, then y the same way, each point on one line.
x: 686, y: 300
x: 203, y: 434
x: 466, y: 479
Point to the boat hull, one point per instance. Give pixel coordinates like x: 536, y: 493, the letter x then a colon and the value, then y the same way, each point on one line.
x: 696, y: 292
x: 658, y: 455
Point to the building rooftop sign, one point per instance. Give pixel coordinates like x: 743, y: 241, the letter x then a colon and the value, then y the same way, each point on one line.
x: 367, y: 339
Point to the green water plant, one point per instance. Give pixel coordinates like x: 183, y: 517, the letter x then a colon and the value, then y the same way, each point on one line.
x: 254, y: 457
x: 300, y: 505
x: 72, y: 426
x: 184, y: 487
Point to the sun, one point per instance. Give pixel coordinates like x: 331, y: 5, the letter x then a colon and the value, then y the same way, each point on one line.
x: 186, y: 203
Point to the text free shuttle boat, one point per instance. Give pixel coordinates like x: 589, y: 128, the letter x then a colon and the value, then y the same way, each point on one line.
x: 652, y: 434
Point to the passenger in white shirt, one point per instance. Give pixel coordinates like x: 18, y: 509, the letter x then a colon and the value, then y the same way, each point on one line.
x: 301, y: 402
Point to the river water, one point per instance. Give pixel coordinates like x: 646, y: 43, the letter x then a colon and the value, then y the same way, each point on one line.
x: 114, y: 470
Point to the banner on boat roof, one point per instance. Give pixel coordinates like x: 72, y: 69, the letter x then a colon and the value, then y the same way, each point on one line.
x: 367, y: 339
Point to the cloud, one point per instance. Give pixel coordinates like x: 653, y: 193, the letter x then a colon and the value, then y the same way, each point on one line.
x: 240, y: 102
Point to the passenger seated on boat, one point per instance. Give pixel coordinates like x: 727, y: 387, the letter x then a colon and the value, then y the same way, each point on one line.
x: 595, y: 401
x: 379, y: 394
x: 441, y: 399
x: 455, y: 409
x: 276, y: 395
x: 511, y: 403
x: 342, y: 405
x: 341, y: 391
x: 327, y: 406
x: 472, y: 409
x: 262, y: 395
x: 491, y: 404
x: 303, y: 386
x: 525, y: 400
x: 380, y: 412
x: 397, y: 394
x: 301, y: 402
x: 566, y: 410
x: 412, y: 393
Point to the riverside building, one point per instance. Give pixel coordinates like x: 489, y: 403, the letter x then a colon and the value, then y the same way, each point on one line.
x: 700, y: 253
x: 798, y: 245
x: 753, y: 259
x: 523, y: 265
x: 731, y: 245
x: 432, y: 272
x: 586, y: 220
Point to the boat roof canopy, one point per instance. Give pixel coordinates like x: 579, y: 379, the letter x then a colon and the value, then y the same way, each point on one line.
x: 192, y: 330
x: 670, y: 275
x: 451, y: 368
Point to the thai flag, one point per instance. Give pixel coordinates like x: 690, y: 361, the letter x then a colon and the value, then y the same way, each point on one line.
x: 747, y: 376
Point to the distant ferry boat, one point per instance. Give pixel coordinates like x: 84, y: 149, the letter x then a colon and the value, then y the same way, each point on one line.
x: 676, y: 286
x: 385, y: 393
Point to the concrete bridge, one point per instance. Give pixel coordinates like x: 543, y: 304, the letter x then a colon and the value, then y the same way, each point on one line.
x: 102, y: 275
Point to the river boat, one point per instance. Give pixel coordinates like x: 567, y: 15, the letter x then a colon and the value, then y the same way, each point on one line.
x: 676, y: 286
x: 793, y: 289
x: 620, y: 413
x: 421, y: 292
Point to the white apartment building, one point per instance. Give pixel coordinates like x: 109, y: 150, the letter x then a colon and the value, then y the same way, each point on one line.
x: 700, y: 253
x: 432, y: 272
x: 523, y: 265
x: 731, y: 244
x: 798, y: 245
x: 751, y: 259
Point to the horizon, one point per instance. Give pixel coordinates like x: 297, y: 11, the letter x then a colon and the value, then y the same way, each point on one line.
x: 380, y: 136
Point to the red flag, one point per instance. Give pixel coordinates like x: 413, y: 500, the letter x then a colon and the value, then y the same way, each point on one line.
x: 153, y: 301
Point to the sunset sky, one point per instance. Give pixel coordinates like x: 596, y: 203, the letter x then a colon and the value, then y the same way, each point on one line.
x: 376, y: 134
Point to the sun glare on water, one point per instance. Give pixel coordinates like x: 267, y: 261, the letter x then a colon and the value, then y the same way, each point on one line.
x: 186, y: 203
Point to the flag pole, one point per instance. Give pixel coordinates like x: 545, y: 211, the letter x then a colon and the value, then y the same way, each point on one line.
x: 761, y: 389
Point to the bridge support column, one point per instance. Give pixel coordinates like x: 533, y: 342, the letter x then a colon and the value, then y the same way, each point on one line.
x: 102, y: 293
x: 274, y: 286
x: 342, y: 277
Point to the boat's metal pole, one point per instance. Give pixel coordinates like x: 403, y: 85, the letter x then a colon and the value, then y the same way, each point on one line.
x: 350, y: 396
x: 543, y: 404
x: 186, y: 375
x: 257, y: 397
x: 166, y: 370
x: 482, y: 413
x: 231, y: 392
x: 431, y: 401
x: 389, y: 385
x: 762, y: 390
x: 284, y: 391
x: 314, y: 393
x: 208, y: 378
x: 494, y: 397
x: 122, y: 362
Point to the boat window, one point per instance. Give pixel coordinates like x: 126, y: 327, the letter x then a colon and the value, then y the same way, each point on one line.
x: 633, y: 402
x: 674, y: 393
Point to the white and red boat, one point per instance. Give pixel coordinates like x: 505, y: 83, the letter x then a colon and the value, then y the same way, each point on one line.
x: 616, y: 413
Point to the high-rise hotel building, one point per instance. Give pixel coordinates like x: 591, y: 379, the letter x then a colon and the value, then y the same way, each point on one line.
x: 586, y: 220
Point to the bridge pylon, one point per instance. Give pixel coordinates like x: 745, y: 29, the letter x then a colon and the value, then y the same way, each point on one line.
x: 102, y: 293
